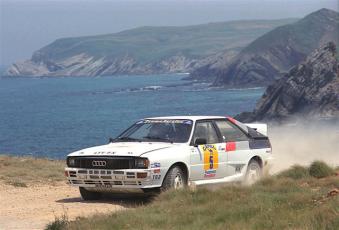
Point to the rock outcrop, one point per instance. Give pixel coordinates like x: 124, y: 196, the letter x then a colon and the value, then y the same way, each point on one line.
x: 274, y: 53
x: 308, y: 90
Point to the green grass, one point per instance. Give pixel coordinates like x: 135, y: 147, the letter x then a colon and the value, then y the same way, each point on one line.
x: 23, y: 171
x: 295, y: 172
x: 303, y: 35
x: 277, y: 202
x: 320, y: 169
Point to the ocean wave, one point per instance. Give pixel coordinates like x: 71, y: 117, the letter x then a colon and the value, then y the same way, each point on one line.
x: 196, y: 87
x: 130, y: 90
x: 249, y: 88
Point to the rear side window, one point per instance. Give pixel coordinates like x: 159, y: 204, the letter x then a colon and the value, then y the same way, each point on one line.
x: 207, y: 131
x: 230, y: 132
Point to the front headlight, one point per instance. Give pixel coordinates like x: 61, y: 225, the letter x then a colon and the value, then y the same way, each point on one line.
x: 141, y: 163
x: 71, y: 161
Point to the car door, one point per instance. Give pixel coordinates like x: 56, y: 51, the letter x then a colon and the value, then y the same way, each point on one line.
x: 206, y: 160
x: 236, y: 144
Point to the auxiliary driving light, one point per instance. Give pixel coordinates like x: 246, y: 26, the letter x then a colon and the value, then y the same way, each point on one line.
x: 141, y: 174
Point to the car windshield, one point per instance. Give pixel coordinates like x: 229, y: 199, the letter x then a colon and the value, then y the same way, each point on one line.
x: 175, y: 131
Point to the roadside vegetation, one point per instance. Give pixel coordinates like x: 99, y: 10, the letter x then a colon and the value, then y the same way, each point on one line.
x: 24, y: 171
x: 294, y: 199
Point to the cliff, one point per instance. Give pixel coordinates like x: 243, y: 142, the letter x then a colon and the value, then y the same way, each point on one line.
x: 145, y: 50
x: 274, y: 53
x: 308, y: 90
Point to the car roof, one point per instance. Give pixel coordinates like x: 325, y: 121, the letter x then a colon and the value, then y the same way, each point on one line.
x: 193, y: 118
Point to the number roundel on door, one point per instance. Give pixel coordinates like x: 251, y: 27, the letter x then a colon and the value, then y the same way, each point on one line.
x: 210, y: 157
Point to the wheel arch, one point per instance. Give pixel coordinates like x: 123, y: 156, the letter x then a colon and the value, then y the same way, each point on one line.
x: 180, y: 164
x: 257, y: 159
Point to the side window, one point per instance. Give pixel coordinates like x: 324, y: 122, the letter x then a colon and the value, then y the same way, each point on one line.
x: 206, y: 130
x: 230, y: 132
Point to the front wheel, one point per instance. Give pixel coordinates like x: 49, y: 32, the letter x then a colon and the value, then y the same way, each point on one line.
x: 254, y: 173
x: 175, y: 178
x: 89, y: 195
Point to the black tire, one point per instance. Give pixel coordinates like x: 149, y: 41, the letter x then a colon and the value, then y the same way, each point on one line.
x: 175, y: 178
x: 89, y: 195
x: 253, y: 173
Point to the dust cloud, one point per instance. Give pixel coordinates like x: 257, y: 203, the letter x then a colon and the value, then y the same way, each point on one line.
x: 303, y: 144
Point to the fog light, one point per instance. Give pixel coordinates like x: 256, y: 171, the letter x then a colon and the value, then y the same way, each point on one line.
x: 141, y: 174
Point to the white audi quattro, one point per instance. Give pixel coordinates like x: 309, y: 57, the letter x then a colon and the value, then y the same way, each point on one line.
x: 172, y: 152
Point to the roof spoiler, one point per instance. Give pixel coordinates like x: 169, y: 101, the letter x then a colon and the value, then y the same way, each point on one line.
x: 261, y: 128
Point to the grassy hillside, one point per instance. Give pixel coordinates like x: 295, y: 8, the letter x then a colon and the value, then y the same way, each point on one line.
x: 305, y: 35
x: 263, y: 60
x: 24, y: 171
x: 153, y: 43
x: 294, y: 199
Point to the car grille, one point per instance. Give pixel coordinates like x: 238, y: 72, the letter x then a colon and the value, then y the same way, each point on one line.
x: 104, y: 162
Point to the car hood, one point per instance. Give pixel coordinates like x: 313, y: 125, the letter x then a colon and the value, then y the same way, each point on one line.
x: 123, y: 149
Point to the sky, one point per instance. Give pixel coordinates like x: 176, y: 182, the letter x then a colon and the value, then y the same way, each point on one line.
x: 27, y: 25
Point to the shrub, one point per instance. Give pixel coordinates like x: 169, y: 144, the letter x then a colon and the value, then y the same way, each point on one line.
x: 16, y: 183
x: 320, y: 169
x: 58, y: 223
x: 295, y: 172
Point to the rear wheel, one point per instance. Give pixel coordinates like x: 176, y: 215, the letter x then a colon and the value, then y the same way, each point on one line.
x: 175, y: 178
x: 254, y: 173
x: 89, y: 195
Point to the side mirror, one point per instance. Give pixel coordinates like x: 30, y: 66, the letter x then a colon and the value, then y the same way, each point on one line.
x: 200, y: 141
x: 110, y: 140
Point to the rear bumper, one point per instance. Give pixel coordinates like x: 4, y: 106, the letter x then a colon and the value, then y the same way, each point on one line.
x: 107, y: 180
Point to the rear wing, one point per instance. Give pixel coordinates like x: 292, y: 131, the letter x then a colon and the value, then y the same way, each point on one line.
x: 261, y: 128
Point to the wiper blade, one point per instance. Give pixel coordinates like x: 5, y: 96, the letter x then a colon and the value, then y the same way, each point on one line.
x: 126, y: 139
x: 158, y: 138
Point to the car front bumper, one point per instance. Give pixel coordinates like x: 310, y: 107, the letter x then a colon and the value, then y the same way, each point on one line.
x: 108, y: 180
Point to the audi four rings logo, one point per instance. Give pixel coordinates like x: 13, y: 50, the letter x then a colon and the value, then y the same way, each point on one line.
x: 99, y: 163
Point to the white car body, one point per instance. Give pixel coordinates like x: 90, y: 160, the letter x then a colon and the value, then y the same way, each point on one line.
x: 224, y: 161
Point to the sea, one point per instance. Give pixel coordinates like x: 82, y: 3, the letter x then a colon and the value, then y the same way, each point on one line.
x: 51, y: 117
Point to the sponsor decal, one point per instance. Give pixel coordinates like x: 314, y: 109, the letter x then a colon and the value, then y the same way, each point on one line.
x: 210, y: 157
x: 189, y: 122
x: 156, y: 177
x: 104, y: 153
x: 210, y: 173
x: 220, y: 148
x: 231, y: 119
x: 230, y: 146
x: 155, y: 165
x: 156, y: 171
x: 186, y: 122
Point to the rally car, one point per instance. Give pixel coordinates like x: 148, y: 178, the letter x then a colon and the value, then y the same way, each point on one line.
x: 172, y: 152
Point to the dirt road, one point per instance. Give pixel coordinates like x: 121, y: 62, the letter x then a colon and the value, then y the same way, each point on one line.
x: 35, y: 206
